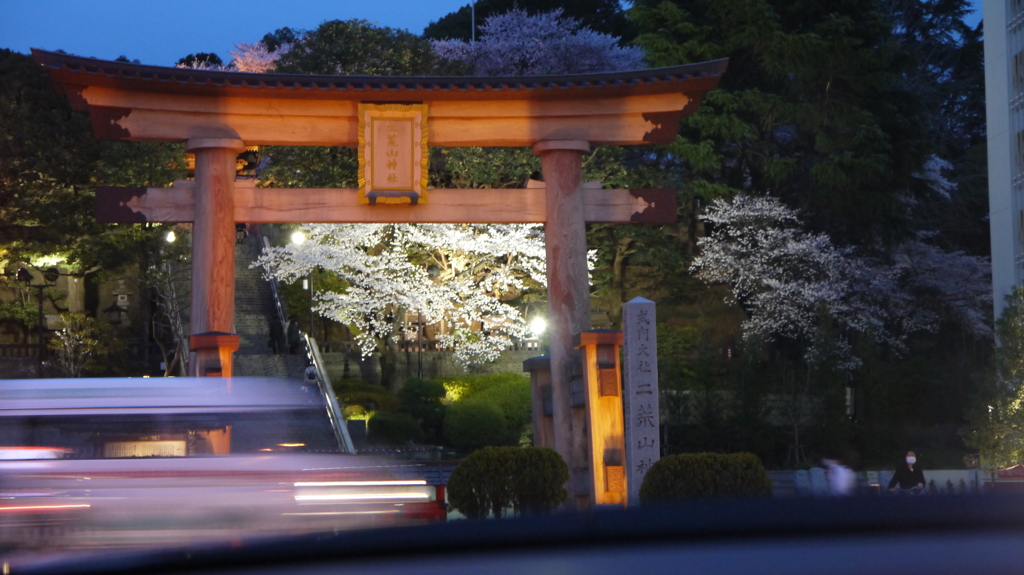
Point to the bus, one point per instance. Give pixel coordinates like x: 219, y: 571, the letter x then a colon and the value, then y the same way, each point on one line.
x: 130, y: 461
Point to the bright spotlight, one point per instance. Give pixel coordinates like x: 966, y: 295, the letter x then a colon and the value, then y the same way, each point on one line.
x: 171, y: 237
x: 538, y: 325
x: 298, y: 237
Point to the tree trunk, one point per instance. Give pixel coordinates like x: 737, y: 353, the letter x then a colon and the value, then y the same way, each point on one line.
x: 76, y: 294
x: 618, y: 280
x: 388, y: 364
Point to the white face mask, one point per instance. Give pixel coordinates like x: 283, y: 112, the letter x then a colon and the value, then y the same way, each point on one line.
x: 911, y: 460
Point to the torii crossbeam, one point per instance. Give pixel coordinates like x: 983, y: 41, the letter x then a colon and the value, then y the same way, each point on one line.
x: 216, y: 114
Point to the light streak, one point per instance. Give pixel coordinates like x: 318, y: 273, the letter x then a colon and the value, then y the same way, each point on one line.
x: 42, y: 507
x: 362, y: 496
x: 360, y: 483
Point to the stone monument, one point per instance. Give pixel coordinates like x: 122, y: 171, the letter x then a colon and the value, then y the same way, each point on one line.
x: 640, y: 392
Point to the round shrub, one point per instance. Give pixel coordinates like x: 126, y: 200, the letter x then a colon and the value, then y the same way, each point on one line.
x: 530, y: 480
x: 481, y: 484
x: 539, y: 482
x: 394, y: 429
x: 514, y: 399
x: 472, y: 424
x: 705, y: 475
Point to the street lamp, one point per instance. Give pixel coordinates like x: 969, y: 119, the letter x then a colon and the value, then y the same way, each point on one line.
x: 433, y: 271
x: 307, y: 284
x: 538, y: 325
x: 50, y: 276
x: 298, y: 237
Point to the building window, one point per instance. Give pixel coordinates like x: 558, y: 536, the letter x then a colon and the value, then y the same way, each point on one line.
x: 1018, y: 70
x: 1020, y: 153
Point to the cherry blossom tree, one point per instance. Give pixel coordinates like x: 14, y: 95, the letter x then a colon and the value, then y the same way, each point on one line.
x: 786, y: 278
x: 517, y: 44
x: 463, y: 275
x: 256, y: 58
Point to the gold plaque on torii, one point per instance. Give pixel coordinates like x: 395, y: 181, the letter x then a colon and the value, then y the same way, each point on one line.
x: 392, y: 153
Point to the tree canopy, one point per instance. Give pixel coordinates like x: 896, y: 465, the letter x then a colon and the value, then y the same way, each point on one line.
x: 351, y: 47
x: 605, y: 16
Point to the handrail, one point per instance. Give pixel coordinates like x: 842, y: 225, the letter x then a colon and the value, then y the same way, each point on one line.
x: 313, y: 356
x: 333, y: 407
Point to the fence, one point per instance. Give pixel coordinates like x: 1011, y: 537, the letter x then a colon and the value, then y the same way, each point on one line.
x: 19, y: 350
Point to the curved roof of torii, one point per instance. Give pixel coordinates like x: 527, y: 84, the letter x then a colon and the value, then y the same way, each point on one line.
x: 132, y: 102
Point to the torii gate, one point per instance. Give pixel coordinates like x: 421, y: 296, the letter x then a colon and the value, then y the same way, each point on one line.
x: 217, y: 114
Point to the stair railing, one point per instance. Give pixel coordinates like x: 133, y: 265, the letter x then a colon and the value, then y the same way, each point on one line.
x: 314, y: 359
x: 333, y: 407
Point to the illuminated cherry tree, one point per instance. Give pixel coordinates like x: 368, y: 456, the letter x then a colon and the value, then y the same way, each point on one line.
x: 255, y: 58
x: 246, y: 57
x: 460, y: 274
x: 787, y: 278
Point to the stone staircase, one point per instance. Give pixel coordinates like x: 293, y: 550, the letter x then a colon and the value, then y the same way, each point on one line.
x: 254, y: 310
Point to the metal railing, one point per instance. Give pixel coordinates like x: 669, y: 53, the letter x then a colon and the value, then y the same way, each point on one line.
x: 324, y: 382
x: 312, y: 353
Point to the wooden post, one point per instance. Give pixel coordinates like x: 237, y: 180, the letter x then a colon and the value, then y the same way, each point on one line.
x: 608, y: 482
x: 213, y: 252
x: 568, y: 303
x: 540, y: 390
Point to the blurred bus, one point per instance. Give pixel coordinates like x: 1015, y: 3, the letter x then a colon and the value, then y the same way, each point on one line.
x: 119, y: 461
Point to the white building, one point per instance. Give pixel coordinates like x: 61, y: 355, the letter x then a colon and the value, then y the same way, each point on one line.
x: 1004, y: 93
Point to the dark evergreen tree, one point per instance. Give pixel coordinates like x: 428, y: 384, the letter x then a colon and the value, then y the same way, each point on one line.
x: 352, y: 47
x: 199, y: 59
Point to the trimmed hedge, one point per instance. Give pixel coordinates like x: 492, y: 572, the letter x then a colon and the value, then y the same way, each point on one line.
x: 509, y: 393
x: 705, y: 475
x: 462, y: 388
x: 472, y: 424
x: 527, y: 479
x: 393, y: 429
x: 514, y: 399
x: 540, y: 477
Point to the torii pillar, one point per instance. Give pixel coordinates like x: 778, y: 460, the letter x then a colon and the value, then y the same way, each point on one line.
x: 212, y: 313
x: 565, y: 235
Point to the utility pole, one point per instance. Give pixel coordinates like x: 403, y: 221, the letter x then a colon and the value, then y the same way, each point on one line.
x: 472, y: 17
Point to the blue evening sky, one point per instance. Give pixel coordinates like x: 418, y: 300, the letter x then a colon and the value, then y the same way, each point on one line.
x: 159, y: 32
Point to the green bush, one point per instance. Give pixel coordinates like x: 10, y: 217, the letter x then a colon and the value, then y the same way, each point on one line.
x: 540, y: 476
x: 424, y: 401
x: 461, y: 388
x: 493, y: 479
x: 705, y: 475
x: 472, y: 424
x: 514, y: 400
x: 394, y: 429
x: 481, y: 484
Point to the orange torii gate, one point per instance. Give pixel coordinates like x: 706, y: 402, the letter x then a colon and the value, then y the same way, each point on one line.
x: 217, y: 114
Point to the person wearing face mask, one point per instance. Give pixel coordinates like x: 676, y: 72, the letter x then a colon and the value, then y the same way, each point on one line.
x: 908, y: 476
